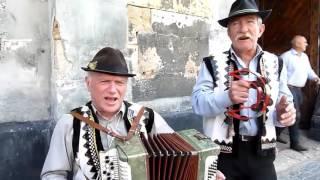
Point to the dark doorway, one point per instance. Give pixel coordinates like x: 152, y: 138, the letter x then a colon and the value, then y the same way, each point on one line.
x: 289, y: 18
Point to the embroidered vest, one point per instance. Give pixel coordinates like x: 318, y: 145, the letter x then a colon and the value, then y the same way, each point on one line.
x: 219, y: 130
x: 86, y: 141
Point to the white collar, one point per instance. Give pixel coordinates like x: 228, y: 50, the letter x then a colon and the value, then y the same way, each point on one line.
x: 120, y: 112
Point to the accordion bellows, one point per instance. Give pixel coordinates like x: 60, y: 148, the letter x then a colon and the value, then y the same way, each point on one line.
x: 184, y: 155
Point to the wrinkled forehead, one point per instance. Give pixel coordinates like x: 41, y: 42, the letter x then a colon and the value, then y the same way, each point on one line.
x: 301, y: 39
x: 105, y: 76
x: 244, y: 17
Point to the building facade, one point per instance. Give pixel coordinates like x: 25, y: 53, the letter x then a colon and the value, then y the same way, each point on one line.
x: 45, y: 42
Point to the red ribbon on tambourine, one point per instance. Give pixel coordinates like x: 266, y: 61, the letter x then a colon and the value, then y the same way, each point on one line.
x: 263, y: 95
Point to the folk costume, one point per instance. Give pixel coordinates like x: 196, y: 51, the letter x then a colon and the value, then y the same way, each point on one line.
x: 245, y: 132
x: 75, y: 146
x: 210, y: 98
x: 79, y: 139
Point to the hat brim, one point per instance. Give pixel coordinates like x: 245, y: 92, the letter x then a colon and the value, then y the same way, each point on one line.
x: 108, y: 72
x: 263, y: 14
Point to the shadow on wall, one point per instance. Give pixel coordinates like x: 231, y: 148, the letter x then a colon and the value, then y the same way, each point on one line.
x: 23, y: 149
x: 184, y: 120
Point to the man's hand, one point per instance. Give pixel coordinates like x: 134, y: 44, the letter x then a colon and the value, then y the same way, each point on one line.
x: 239, y: 91
x: 286, y: 113
x: 220, y: 175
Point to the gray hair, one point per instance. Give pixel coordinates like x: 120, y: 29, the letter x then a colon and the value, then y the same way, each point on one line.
x: 259, y: 20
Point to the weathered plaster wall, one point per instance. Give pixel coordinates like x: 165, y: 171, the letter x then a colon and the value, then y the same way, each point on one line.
x: 24, y: 61
x: 166, y: 41
x: 25, y: 87
x: 218, y: 37
x: 44, y: 43
x: 191, y: 7
x: 163, y: 41
x: 80, y: 28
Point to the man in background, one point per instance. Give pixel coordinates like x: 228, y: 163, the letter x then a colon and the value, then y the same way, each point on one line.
x: 299, y: 71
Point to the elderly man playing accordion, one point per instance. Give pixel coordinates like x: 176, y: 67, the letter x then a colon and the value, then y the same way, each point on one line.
x: 84, y: 141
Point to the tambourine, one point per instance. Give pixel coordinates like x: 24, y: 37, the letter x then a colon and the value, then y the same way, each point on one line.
x: 263, y: 95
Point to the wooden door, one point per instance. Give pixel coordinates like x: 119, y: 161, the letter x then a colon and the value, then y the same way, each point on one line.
x: 289, y: 18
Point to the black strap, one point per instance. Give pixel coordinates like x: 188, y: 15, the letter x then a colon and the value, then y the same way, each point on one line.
x: 76, y: 134
x: 76, y: 131
x: 150, y: 120
x: 259, y: 62
x: 280, y: 61
x: 212, y: 68
x: 207, y: 61
x: 125, y: 116
x: 97, y: 132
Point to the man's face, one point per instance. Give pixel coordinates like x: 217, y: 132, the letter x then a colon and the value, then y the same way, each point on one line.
x: 107, y: 92
x: 244, y: 32
x: 301, y: 43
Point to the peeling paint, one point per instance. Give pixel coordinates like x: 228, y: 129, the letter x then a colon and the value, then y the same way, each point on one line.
x: 150, y: 64
x: 167, y: 4
x: 141, y: 3
x: 191, y: 68
x: 62, y: 65
x: 139, y: 21
x: 174, y: 47
x: 133, y: 56
x: 201, y: 8
x: 168, y: 18
x: 14, y: 44
x: 165, y: 39
x: 171, y: 48
x: 56, y: 35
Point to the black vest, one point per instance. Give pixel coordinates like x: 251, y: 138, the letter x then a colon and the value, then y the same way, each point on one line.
x: 76, y: 125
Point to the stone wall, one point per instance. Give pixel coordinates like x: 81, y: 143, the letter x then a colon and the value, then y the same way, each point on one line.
x: 166, y: 49
x: 79, y: 30
x: 26, y: 106
x: 25, y: 63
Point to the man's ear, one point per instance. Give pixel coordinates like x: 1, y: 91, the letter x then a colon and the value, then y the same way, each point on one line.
x: 87, y: 80
x: 261, y: 29
x: 228, y: 31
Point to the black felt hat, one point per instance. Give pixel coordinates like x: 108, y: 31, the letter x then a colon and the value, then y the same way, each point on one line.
x: 244, y: 7
x: 109, y: 61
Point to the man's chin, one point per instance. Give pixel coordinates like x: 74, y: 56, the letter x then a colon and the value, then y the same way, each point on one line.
x: 111, y: 106
x: 110, y: 110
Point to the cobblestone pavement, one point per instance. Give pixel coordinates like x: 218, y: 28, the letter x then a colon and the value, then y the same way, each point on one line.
x: 309, y: 170
x: 293, y: 165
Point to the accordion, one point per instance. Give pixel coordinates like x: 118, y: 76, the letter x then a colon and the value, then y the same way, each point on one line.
x: 184, y: 155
